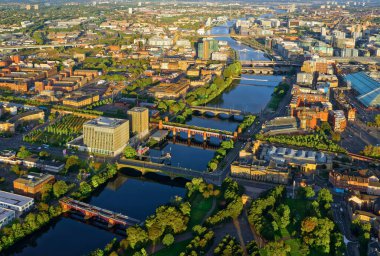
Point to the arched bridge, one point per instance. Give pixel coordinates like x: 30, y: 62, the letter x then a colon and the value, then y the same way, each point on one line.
x: 218, y: 110
x: 269, y: 63
x: 91, y: 211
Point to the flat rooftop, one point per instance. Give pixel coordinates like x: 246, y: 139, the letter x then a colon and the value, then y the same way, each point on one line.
x: 138, y: 109
x: 33, y: 179
x: 4, y: 213
x: 14, y: 199
x: 105, y: 122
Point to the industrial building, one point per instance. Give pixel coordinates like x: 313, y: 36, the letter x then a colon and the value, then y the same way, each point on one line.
x: 367, y: 88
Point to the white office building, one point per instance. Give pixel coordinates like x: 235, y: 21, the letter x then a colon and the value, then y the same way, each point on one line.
x: 6, y: 216
x: 17, y: 203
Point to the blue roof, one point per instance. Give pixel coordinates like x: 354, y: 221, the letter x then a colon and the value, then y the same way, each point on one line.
x: 367, y: 87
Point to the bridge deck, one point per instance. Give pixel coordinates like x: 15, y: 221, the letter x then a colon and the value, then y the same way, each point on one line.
x: 194, y: 130
x: 213, y: 109
x: 100, y: 212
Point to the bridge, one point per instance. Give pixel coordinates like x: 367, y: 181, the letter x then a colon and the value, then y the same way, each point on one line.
x: 91, y: 211
x: 192, y: 130
x: 268, y: 67
x: 363, y: 158
x: 223, y: 35
x: 217, y: 111
x: 269, y: 63
x: 168, y: 170
x: 36, y: 46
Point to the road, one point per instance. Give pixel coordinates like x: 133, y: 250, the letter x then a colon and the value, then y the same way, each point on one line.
x: 341, y: 219
x: 357, y: 135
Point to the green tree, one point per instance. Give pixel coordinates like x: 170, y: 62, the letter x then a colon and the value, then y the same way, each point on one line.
x: 84, y: 188
x: 44, y: 155
x: 325, y: 197
x: 60, y: 188
x: 136, y: 237
x: 23, y: 152
x: 306, y: 192
x: 71, y: 163
x: 130, y: 152
x: 168, y: 240
x: 277, y: 248
x: 46, y: 191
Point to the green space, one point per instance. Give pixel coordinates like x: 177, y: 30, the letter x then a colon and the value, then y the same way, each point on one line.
x: 371, y: 151
x: 205, y: 94
x: 200, y: 207
x: 300, y: 226
x: 317, y: 141
x: 277, y: 95
x: 247, y: 122
x: 219, y: 154
x: 174, y: 249
x: 58, y: 133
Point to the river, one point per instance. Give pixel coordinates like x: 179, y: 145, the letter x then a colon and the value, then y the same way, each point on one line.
x: 138, y: 198
x: 133, y: 197
x: 250, y: 94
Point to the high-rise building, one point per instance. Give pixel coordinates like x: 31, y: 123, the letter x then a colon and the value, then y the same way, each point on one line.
x: 206, y: 47
x: 139, y: 120
x: 107, y: 136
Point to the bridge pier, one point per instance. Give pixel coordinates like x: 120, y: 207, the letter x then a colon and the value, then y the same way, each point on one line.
x: 88, y: 215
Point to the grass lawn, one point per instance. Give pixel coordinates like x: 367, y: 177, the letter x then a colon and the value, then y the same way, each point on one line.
x: 295, y: 246
x: 199, y: 208
x: 173, y: 250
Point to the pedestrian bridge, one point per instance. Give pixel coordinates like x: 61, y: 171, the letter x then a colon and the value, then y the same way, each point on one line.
x: 91, y: 211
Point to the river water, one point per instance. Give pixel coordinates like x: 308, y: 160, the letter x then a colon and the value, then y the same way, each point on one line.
x: 250, y: 94
x: 139, y: 198
x: 133, y: 197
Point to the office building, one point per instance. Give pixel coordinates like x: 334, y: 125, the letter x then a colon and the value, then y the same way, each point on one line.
x: 107, y: 136
x: 6, y: 216
x: 139, y: 120
x: 17, y: 203
x: 32, y: 183
x: 207, y: 47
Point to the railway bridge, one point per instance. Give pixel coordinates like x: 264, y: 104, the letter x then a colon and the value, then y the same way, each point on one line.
x: 193, y: 130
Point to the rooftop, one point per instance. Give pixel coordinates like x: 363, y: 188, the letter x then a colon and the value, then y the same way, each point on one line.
x: 32, y: 179
x: 14, y: 199
x: 138, y: 109
x: 367, y: 87
x: 4, y: 213
x: 105, y: 122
